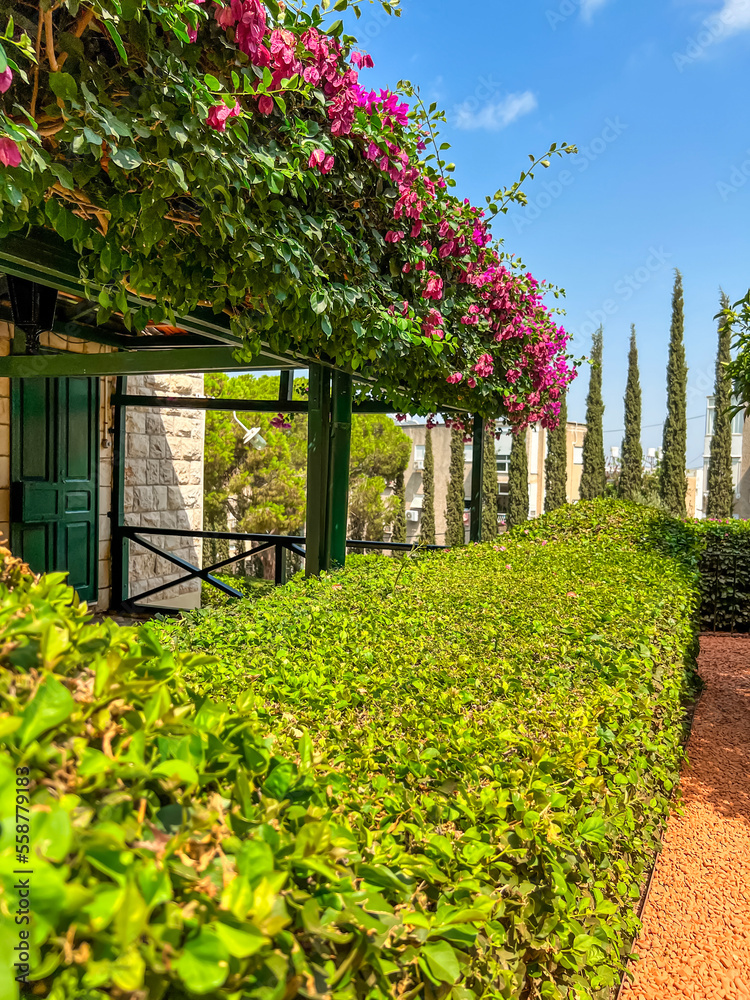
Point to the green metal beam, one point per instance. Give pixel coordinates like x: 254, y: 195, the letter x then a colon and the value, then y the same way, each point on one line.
x: 187, y: 359
x: 221, y: 405
x: 101, y: 335
x: 317, y: 470
x: 477, y: 469
x: 119, y: 545
x: 338, y: 470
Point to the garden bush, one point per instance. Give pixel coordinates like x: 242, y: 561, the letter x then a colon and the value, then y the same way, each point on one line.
x: 441, y: 776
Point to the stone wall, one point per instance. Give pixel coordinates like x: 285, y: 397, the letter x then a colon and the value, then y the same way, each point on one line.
x: 164, y: 485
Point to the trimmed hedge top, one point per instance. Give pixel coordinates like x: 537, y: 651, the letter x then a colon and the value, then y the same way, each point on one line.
x: 441, y: 777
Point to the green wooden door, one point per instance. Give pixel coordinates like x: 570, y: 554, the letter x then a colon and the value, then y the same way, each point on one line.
x: 54, y: 477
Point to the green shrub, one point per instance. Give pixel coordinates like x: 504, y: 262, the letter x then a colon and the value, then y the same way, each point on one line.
x: 440, y: 777
x: 717, y: 551
x: 251, y: 588
x: 724, y: 559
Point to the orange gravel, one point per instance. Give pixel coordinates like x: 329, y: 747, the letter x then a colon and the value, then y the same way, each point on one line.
x: 695, y: 940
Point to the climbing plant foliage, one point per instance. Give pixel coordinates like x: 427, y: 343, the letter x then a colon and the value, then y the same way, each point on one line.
x: 228, y: 156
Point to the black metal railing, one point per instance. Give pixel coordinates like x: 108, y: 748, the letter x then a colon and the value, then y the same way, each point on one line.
x: 282, y: 545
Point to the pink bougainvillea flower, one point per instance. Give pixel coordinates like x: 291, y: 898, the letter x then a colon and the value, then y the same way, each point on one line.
x: 317, y: 158
x: 432, y: 324
x: 327, y: 165
x: 401, y: 417
x: 220, y: 113
x: 434, y: 287
x: 6, y: 78
x: 472, y: 383
x: 455, y: 378
x: 10, y: 154
x: 265, y: 104
x: 571, y: 593
x: 362, y: 60
x: 484, y: 366
x: 280, y: 422
x: 394, y: 236
x: 508, y: 566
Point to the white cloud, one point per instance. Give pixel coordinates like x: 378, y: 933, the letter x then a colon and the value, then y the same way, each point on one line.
x: 495, y: 115
x: 590, y: 7
x: 735, y: 15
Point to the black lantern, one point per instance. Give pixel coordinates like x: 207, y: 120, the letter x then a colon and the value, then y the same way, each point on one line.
x: 33, y: 308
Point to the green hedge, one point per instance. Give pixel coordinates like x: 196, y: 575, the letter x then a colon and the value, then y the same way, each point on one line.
x: 428, y: 778
x: 724, y: 559
x: 717, y: 551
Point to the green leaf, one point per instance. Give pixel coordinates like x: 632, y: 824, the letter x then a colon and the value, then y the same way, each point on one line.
x: 177, y: 770
x: 115, y: 35
x: 241, y: 942
x: 592, y: 829
x: 63, y: 85
x: 127, y: 159
x: 131, y: 917
x: 51, y: 706
x: 204, y: 963
x: 442, y: 961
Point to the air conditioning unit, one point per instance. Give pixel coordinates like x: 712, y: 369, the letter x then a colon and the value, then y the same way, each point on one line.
x: 412, y: 515
x: 419, y: 463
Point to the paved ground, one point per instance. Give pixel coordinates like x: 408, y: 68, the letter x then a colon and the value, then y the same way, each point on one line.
x: 696, y: 924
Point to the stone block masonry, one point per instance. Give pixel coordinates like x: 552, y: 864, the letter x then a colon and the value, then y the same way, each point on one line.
x: 164, y: 485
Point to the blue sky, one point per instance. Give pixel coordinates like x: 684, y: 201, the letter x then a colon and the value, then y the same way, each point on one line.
x: 656, y: 97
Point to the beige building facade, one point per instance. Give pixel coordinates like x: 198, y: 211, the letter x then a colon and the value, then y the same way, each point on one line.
x: 536, y: 447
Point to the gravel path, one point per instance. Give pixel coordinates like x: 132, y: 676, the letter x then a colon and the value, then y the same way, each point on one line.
x: 696, y: 925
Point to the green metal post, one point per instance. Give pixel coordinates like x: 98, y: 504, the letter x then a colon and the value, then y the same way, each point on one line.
x: 338, y: 470
x: 286, y: 391
x: 286, y: 386
x: 318, y: 420
x: 120, y: 547
x: 477, y: 467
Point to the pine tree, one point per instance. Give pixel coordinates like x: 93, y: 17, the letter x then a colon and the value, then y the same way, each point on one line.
x: 673, y: 479
x: 631, y: 474
x: 594, y: 475
x: 455, y: 533
x: 489, y: 485
x: 398, y: 533
x: 427, y: 534
x: 556, y: 463
x: 720, y: 478
x: 518, y: 482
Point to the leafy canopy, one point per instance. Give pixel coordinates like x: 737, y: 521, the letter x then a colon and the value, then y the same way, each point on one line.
x: 229, y: 156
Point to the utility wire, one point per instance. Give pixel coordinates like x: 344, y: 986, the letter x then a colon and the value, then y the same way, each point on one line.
x: 648, y: 427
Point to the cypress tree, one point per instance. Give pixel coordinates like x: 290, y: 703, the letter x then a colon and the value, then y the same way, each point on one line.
x: 594, y: 475
x: 489, y: 485
x: 398, y: 533
x: 631, y: 475
x: 556, y: 463
x: 673, y: 480
x: 518, y: 482
x: 720, y: 478
x: 455, y: 533
x: 427, y: 534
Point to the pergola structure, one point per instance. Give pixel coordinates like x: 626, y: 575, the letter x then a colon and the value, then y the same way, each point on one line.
x: 46, y: 293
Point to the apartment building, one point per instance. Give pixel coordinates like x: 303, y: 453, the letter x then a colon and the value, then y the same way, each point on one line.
x: 536, y: 447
